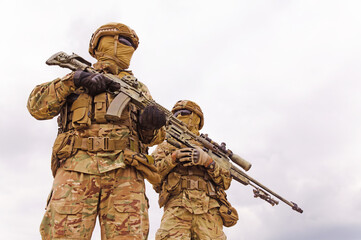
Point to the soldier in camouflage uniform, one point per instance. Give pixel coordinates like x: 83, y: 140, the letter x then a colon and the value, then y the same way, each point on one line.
x: 98, y: 165
x: 192, y: 186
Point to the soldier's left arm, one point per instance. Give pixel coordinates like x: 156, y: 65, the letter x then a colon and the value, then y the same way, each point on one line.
x: 151, y: 137
x: 220, y: 176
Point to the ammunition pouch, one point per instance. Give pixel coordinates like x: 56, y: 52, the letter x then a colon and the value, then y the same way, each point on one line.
x: 163, y: 198
x: 81, y: 109
x: 100, y: 107
x: 228, y: 213
x: 171, y: 186
x: 175, y: 183
x: 63, y: 148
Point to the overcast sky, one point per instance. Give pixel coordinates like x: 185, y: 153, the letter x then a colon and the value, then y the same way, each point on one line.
x: 278, y: 81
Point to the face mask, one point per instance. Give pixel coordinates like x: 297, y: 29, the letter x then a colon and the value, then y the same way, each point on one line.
x: 192, y: 121
x: 109, y: 49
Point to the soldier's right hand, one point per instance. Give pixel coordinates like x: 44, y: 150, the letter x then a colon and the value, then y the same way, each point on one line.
x: 95, y: 83
x: 185, y: 154
x: 193, y: 156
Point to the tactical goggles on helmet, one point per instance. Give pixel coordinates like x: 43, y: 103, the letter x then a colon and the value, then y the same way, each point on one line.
x: 125, y: 41
x: 182, y: 112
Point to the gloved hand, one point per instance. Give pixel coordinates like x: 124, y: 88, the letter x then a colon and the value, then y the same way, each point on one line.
x: 95, y: 82
x: 144, y: 164
x: 151, y: 118
x: 193, y: 156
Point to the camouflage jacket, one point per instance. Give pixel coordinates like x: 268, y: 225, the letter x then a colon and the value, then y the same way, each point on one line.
x: 194, y: 188
x: 82, y: 119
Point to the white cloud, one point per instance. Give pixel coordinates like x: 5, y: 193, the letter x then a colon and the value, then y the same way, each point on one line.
x: 277, y: 80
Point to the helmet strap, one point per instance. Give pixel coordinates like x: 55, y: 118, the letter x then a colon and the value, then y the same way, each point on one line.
x: 116, y: 37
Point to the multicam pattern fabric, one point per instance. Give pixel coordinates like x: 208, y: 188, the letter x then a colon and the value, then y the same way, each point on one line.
x: 189, y: 213
x: 92, y: 183
x: 117, y: 197
x: 46, y: 102
x: 163, y: 160
x: 180, y: 224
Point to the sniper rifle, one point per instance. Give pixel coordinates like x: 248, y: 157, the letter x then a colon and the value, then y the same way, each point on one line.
x: 177, y: 132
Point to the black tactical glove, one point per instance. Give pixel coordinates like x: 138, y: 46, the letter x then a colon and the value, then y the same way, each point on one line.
x: 95, y: 82
x: 151, y: 118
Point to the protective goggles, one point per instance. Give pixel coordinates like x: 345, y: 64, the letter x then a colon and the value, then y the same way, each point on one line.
x: 125, y: 41
x: 182, y: 112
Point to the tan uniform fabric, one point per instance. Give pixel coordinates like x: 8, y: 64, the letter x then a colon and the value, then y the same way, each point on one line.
x: 191, y: 207
x: 91, y: 176
x: 117, y: 197
x: 179, y: 223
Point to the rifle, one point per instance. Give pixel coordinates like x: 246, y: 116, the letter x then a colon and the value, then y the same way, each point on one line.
x: 177, y: 132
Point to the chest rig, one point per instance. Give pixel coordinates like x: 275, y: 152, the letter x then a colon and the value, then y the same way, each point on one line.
x: 195, y: 177
x: 82, y: 111
x: 192, y: 177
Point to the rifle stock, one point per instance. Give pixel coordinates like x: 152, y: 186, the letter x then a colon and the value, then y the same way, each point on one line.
x: 177, y: 132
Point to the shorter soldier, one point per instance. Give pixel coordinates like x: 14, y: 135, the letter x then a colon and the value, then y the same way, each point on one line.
x: 192, y: 186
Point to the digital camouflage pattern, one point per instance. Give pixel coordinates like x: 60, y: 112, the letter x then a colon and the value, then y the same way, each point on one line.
x: 98, y: 166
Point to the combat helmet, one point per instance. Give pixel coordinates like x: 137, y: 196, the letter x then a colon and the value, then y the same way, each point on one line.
x: 112, y: 29
x: 191, y: 106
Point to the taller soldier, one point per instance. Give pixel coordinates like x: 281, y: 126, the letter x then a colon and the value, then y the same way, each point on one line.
x: 98, y: 165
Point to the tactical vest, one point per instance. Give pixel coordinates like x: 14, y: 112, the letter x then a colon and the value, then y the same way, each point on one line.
x: 196, y: 178
x: 191, y: 178
x: 82, y: 110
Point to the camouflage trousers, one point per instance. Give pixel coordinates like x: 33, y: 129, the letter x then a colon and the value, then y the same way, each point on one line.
x: 117, y: 197
x: 178, y: 223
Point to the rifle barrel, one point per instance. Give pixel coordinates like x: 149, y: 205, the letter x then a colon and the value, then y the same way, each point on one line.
x: 255, y: 182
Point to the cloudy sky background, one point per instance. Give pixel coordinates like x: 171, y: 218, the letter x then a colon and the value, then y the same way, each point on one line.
x: 278, y: 81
